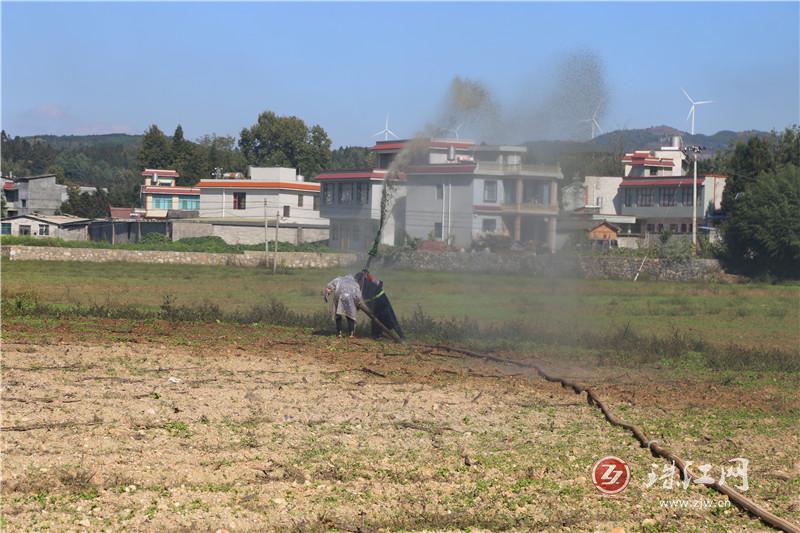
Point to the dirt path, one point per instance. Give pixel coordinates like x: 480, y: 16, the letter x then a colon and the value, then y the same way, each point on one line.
x: 315, y: 435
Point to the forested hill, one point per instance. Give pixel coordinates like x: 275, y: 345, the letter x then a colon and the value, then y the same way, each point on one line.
x: 71, y: 142
x: 113, y: 161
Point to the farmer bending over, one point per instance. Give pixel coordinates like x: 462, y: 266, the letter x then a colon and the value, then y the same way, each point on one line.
x: 378, y: 303
x: 346, y: 296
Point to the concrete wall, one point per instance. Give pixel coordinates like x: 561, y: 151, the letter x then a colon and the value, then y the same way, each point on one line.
x: 247, y: 233
x: 454, y: 211
x: 250, y: 259
x: 41, y: 195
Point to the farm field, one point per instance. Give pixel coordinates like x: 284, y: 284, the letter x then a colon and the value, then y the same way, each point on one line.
x: 118, y: 424
x: 161, y: 421
x: 754, y: 316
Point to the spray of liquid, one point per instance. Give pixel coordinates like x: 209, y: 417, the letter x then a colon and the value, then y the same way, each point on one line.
x: 577, y: 91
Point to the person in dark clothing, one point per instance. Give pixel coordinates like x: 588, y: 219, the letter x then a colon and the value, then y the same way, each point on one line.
x: 375, y: 298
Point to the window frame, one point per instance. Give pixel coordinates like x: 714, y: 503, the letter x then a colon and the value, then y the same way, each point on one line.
x: 490, y: 185
x: 44, y: 229
x: 438, y: 230
x: 5, y: 228
x: 300, y: 200
x: 239, y: 200
x: 493, y: 224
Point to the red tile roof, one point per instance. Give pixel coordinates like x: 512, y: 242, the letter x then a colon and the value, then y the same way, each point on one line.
x: 155, y: 189
x: 247, y: 184
x: 121, y: 212
x: 167, y: 173
x: 437, y: 143
x: 627, y: 182
x: 456, y: 168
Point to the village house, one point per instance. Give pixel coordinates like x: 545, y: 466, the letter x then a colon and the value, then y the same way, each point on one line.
x: 653, y: 196
x: 351, y: 200
x: 236, y: 208
x: 65, y: 227
x: 449, y: 190
x: 33, y: 194
x: 162, y: 198
x: 466, y: 191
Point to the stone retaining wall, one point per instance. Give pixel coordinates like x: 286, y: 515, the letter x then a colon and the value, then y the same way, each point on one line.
x: 592, y: 267
x: 105, y: 255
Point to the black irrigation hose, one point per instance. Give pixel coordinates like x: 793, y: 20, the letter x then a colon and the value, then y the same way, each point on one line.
x: 735, y: 497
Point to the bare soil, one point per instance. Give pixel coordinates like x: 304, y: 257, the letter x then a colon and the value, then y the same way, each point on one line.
x: 155, y: 427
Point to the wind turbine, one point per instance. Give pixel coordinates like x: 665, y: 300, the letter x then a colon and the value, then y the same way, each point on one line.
x: 457, y: 129
x: 692, y: 108
x: 595, y: 125
x: 386, y: 131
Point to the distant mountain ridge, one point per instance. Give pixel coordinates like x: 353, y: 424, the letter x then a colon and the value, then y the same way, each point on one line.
x: 642, y: 139
x: 614, y: 141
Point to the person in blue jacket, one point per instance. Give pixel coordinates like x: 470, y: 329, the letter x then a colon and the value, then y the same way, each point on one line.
x: 377, y: 301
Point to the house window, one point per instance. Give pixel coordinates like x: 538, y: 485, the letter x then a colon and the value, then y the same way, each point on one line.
x: 286, y: 211
x: 490, y: 191
x: 316, y: 203
x: 630, y: 197
x: 667, y: 197
x: 673, y: 228
x: 6, y: 229
x: 239, y: 200
x: 299, y: 200
x: 328, y: 192
x: 659, y: 228
x: 161, y: 201
x: 645, y: 197
x: 25, y: 229
x: 489, y: 225
x: 362, y: 193
x: 683, y: 228
x: 651, y: 228
x: 440, y: 191
x: 653, y: 171
x: 345, y: 193
x: 24, y: 202
x: 686, y: 196
x: 44, y: 229
x: 189, y: 203
x: 437, y: 230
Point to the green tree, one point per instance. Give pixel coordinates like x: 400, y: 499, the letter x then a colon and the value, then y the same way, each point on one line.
x: 183, y: 158
x: 155, y: 151
x: 351, y: 157
x: 88, y: 205
x: 285, y: 141
x: 762, y: 231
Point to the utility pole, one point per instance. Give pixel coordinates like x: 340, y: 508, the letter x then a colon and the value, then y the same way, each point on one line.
x: 694, y: 150
x: 266, y: 236
x: 277, y: 225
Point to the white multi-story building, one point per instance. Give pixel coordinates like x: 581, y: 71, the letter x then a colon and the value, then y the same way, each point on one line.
x: 237, y: 208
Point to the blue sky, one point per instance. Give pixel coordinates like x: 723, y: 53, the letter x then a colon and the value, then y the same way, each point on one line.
x: 212, y: 67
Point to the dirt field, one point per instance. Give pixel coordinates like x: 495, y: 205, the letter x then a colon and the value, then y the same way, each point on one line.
x: 219, y: 427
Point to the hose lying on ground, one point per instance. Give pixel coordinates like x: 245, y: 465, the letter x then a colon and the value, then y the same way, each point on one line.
x: 735, y: 497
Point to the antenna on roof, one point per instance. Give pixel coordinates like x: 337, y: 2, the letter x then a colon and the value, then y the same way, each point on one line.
x: 386, y: 131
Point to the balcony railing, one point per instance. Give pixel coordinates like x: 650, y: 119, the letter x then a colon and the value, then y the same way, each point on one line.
x: 492, y: 166
x: 534, y: 208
